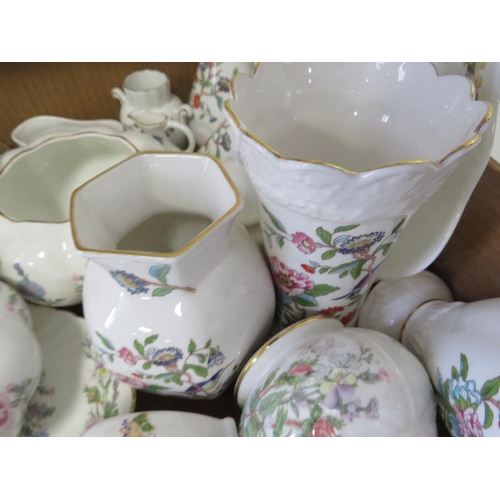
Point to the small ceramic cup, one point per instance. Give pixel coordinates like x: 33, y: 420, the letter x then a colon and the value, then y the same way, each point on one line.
x: 164, y: 424
x: 319, y: 379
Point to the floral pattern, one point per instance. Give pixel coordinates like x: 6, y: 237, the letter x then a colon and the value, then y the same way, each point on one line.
x: 14, y: 396
x: 460, y: 401
x: 211, y: 88
x: 302, y: 294
x: 473, y: 71
x: 31, y: 290
x: 169, y: 366
x: 16, y: 305
x: 315, y: 396
x: 139, y: 426
x: 38, y: 412
x: 136, y: 285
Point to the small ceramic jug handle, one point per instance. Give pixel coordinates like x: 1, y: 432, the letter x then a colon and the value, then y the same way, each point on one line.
x: 186, y: 131
x: 185, y: 113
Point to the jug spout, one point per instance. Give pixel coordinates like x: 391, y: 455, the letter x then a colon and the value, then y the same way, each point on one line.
x: 157, y: 222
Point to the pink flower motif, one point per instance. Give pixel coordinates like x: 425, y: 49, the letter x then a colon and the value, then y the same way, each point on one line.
x: 11, y: 387
x: 288, y: 281
x: 384, y: 376
x: 303, y: 242
x: 127, y: 356
x: 134, y: 382
x: 5, y: 411
x: 77, y: 277
x: 468, y: 422
x: 10, y: 308
x: 322, y: 428
x: 300, y: 370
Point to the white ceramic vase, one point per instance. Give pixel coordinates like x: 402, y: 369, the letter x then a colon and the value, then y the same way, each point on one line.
x: 458, y: 343
x: 176, y: 293
x: 318, y: 379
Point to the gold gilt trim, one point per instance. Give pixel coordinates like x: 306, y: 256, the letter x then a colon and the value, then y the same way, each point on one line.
x: 412, y: 312
x: 168, y: 255
x: 253, y: 137
x: 269, y: 343
x: 50, y: 139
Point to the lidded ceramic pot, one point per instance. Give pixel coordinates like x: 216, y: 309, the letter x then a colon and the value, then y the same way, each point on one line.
x: 341, y: 156
x: 36, y: 248
x: 20, y: 360
x: 458, y: 343
x: 319, y: 379
x: 176, y: 294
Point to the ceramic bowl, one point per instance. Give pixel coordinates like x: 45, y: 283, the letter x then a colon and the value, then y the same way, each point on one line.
x: 164, y: 424
x: 319, y: 379
x: 75, y: 391
x: 20, y: 360
x: 37, y: 251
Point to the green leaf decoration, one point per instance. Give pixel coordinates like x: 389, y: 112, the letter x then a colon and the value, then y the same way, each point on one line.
x: 160, y: 272
x: 320, y: 290
x: 109, y: 410
x: 488, y: 416
x: 156, y: 388
x: 344, y: 274
x: 324, y: 235
x: 324, y: 270
x: 307, y: 426
x: 329, y: 254
x: 383, y: 248
x: 176, y: 379
x: 269, y: 404
x: 354, y: 299
x: 280, y: 422
x: 208, y: 344
x: 269, y: 380
x: 277, y: 224
x: 139, y: 348
x: 106, y: 341
x: 281, y: 241
x: 355, y: 272
x: 166, y: 377
x: 147, y: 427
x: 490, y: 388
x: 304, y: 300
x: 201, y: 357
x: 454, y: 372
x: 399, y: 225
x: 162, y: 291
x: 343, y: 229
x: 191, y: 346
x: 254, y: 401
x: 147, y: 365
x: 220, y: 102
x: 199, y: 370
x: 316, y: 412
x: 151, y: 339
x: 464, y: 366
x: 254, y: 426
x: 343, y: 267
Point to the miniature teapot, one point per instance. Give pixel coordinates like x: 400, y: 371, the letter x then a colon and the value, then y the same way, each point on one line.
x: 458, y: 343
x: 20, y: 360
x: 149, y: 90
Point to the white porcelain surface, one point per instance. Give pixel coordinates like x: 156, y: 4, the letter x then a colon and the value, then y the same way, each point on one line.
x: 177, y: 308
x: 149, y: 90
x: 381, y: 142
x: 37, y: 252
x: 164, y: 424
x: 75, y: 391
x: 20, y: 360
x: 319, y: 379
x: 458, y: 343
x: 434, y: 222
x: 39, y: 127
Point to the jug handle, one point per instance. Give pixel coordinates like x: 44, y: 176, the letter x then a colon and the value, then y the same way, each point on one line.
x: 186, y: 131
x: 185, y: 113
x: 119, y: 94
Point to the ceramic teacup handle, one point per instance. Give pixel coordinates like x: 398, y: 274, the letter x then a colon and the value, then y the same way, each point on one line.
x: 185, y: 113
x: 186, y: 131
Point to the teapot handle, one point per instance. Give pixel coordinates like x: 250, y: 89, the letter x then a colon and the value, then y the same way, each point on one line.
x: 171, y: 124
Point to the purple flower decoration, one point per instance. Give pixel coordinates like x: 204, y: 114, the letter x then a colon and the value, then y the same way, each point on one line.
x: 226, y: 142
x: 343, y: 392
x: 224, y: 84
x: 130, y: 281
x: 164, y: 357
x: 30, y: 289
x: 373, y: 408
x: 216, y: 358
x: 357, y: 244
